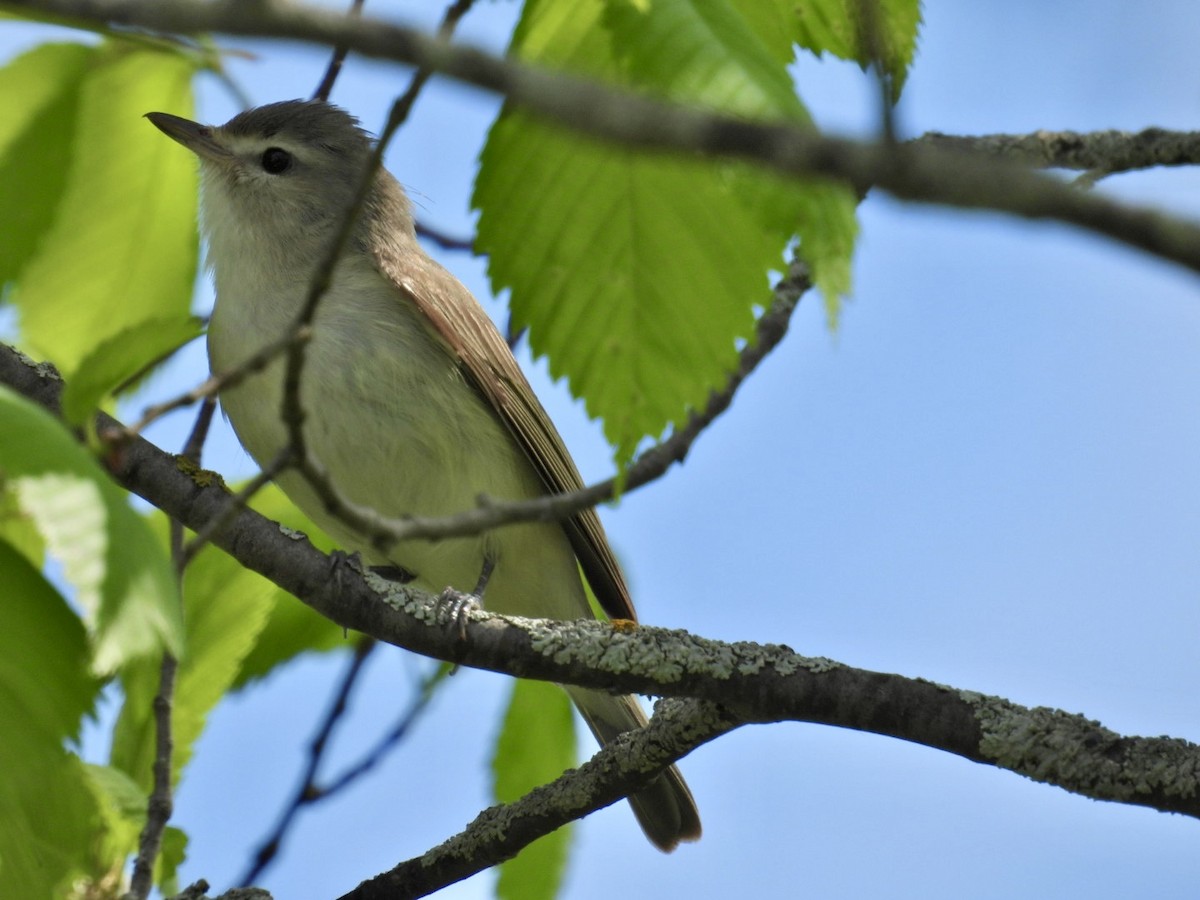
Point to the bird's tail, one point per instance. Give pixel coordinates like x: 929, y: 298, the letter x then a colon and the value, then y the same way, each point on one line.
x: 664, y: 808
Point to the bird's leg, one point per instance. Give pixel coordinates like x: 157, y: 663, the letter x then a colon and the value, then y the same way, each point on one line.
x: 398, y: 574
x: 457, y: 604
x: 485, y: 574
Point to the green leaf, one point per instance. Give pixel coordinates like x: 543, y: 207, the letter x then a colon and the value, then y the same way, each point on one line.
x: 122, y: 246
x: 20, y: 531
x: 239, y: 627
x: 115, y: 362
x: 123, y: 806
x: 638, y: 274
x: 40, y: 93
x: 291, y: 627
x: 47, y: 812
x: 536, y: 745
x: 836, y: 27
x: 224, y: 610
x: 171, y: 855
x: 121, y: 576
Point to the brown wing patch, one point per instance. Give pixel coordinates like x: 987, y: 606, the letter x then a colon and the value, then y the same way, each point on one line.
x: 461, y: 322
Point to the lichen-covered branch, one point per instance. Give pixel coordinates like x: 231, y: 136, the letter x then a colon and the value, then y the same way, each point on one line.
x: 500, y: 832
x: 1107, y: 151
x: 752, y: 682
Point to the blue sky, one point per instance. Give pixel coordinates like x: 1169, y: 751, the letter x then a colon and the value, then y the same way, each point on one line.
x: 988, y: 477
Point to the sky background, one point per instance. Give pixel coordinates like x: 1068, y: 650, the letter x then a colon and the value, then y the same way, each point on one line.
x: 988, y: 477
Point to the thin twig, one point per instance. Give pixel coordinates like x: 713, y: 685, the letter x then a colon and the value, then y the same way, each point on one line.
x: 358, y: 518
x: 395, y: 734
x: 491, y: 513
x: 221, y: 381
x: 325, y: 88
x: 872, y: 36
x: 1110, y: 152
x: 160, y: 804
x: 194, y: 445
x: 443, y: 240
x: 309, y: 791
x: 500, y: 832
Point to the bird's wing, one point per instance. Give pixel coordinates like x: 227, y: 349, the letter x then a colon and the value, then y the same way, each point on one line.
x: 485, y: 356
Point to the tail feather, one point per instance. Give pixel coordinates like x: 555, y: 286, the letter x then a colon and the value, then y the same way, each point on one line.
x: 664, y: 808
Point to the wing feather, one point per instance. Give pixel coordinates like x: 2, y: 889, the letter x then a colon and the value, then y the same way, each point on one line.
x: 458, y: 319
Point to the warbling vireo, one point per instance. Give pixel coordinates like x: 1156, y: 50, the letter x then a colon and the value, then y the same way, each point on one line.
x: 414, y: 403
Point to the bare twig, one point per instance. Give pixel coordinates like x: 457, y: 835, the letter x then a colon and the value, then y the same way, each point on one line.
x: 375, y: 755
x: 871, y: 35
x: 1110, y: 152
x: 499, y: 833
x: 308, y: 790
x: 194, y: 445
x: 339, y: 56
x: 357, y: 517
x: 160, y: 804
x: 755, y: 682
x: 443, y: 240
x: 222, y: 380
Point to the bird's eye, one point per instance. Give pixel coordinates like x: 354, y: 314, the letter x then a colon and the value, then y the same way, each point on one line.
x: 276, y: 160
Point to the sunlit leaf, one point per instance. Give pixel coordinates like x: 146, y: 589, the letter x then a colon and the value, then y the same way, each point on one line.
x: 838, y: 27
x: 40, y: 94
x: 536, y: 745
x: 239, y: 627
x: 120, y: 574
x: 47, y: 811
x: 116, y: 360
x: 638, y: 274
x: 122, y: 246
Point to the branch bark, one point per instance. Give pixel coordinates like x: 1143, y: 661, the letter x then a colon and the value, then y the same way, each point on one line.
x: 752, y: 683
x: 915, y: 171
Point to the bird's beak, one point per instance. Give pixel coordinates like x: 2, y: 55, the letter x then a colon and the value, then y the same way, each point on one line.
x: 196, y: 137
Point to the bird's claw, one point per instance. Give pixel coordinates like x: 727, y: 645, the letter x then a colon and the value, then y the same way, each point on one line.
x: 456, y: 606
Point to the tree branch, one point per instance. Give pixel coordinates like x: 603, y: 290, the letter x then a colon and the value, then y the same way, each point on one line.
x: 753, y: 682
x: 499, y: 833
x: 914, y: 172
x: 1104, y: 151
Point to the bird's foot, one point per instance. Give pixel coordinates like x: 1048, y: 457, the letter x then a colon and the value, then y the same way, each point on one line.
x: 456, y: 606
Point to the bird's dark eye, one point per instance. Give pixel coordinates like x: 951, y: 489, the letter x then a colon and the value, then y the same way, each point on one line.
x: 276, y: 160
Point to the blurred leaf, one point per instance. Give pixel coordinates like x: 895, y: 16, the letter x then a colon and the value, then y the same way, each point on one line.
x: 47, y: 812
x: 122, y: 246
x: 170, y: 857
x: 638, y: 273
x: 114, y: 362
x: 291, y: 627
x: 535, y: 746
x: 121, y: 576
x: 40, y: 93
x: 239, y: 627
x: 20, y: 531
x: 836, y: 26
x: 123, y: 806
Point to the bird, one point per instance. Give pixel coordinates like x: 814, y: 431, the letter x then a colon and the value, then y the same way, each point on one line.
x: 414, y: 403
